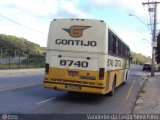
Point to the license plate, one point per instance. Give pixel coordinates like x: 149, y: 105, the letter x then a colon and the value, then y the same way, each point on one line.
x: 73, y: 86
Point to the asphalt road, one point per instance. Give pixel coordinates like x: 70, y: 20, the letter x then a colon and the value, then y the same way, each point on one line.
x: 26, y: 95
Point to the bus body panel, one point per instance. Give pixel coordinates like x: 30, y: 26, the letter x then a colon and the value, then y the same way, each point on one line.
x: 82, y: 61
x: 78, y: 60
x: 75, y: 88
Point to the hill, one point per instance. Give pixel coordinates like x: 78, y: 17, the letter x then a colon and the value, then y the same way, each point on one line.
x: 138, y: 58
x: 10, y: 44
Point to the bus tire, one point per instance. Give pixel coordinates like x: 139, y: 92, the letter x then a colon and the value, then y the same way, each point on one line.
x: 111, y: 93
x: 123, y: 83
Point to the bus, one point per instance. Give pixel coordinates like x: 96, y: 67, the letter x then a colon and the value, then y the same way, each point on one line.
x: 85, y: 55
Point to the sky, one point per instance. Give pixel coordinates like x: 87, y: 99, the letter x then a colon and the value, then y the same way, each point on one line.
x: 31, y: 19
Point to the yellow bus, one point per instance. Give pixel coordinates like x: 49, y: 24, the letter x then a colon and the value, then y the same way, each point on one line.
x: 85, y: 55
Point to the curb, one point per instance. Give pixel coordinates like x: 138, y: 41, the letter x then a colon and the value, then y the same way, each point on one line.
x: 138, y: 95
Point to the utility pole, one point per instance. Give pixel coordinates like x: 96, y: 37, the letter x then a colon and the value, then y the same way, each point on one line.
x: 153, y: 33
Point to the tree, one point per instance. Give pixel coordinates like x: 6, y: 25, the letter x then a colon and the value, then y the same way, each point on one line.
x: 22, y: 46
x: 139, y: 58
x: 158, y: 49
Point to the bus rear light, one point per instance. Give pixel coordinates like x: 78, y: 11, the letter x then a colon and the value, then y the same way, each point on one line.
x: 47, y: 68
x: 101, y: 73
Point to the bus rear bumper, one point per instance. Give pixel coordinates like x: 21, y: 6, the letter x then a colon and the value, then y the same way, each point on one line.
x: 74, y: 87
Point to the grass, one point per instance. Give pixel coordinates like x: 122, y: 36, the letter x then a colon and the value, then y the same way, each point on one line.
x: 26, y: 63
x: 20, y: 66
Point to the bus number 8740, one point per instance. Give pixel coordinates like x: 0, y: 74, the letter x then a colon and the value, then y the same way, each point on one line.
x: 75, y: 63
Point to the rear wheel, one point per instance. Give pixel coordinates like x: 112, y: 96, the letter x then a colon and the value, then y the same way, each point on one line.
x: 111, y: 93
x: 124, y: 82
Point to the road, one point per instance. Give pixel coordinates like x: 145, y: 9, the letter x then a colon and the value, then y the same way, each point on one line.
x: 26, y: 95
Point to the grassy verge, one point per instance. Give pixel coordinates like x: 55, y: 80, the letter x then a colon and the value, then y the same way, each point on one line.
x: 20, y: 66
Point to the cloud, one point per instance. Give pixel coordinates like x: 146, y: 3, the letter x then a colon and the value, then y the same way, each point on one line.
x: 14, y: 29
x: 136, y: 41
x: 127, y: 6
x: 71, y: 8
x: 36, y: 7
x: 122, y: 5
x: 35, y: 14
x: 24, y: 20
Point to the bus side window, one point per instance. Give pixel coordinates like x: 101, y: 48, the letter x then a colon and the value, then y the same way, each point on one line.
x: 119, y: 48
x: 110, y: 42
x: 122, y: 49
x: 114, y: 44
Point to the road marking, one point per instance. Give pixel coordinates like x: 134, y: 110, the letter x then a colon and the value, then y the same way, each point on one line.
x: 18, y: 87
x: 130, y: 89
x: 46, y: 100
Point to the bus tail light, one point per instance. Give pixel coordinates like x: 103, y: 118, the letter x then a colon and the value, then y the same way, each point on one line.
x: 101, y: 73
x: 47, y: 68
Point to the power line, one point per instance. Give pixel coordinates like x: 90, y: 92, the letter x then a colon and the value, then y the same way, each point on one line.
x: 140, y: 21
x: 22, y: 25
x: 146, y: 15
x: 150, y: 15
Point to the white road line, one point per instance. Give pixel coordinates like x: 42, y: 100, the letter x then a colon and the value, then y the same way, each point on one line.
x: 46, y: 100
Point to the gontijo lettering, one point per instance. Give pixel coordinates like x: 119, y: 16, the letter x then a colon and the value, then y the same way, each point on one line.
x: 75, y: 42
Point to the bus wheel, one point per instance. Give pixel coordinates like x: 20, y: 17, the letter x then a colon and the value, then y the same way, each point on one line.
x: 124, y: 82
x: 111, y: 93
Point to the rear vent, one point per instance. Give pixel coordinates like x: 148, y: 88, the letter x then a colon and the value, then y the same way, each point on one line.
x: 101, y: 73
